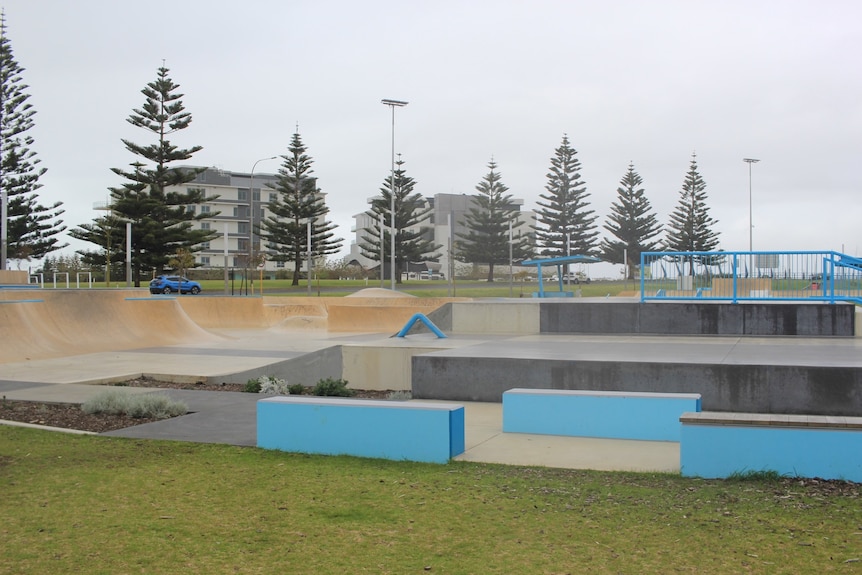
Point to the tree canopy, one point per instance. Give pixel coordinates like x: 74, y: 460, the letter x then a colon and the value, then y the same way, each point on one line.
x: 691, y: 227
x: 414, y: 236
x: 297, y: 202
x: 633, y: 222
x: 28, y: 229
x: 488, y: 224
x: 152, y: 197
x: 566, y: 225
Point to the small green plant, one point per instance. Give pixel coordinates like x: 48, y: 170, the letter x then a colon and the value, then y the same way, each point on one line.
x: 400, y: 395
x: 332, y: 388
x: 296, y: 389
x: 271, y: 385
x: 766, y: 475
x: 252, y: 386
x: 148, y: 405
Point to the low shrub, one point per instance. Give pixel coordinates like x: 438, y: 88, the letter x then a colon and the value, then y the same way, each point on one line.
x: 271, y: 385
x: 296, y: 389
x: 147, y: 405
x: 766, y: 476
x: 400, y: 395
x: 252, y: 386
x: 332, y: 388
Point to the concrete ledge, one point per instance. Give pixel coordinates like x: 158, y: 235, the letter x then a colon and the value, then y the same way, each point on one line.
x: 715, y: 445
x: 606, y: 414
x: 396, y: 430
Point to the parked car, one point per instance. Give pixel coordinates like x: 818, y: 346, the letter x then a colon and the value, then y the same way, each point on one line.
x: 172, y: 284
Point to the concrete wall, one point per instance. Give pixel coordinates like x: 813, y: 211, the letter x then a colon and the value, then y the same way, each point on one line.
x: 508, y: 317
x: 676, y: 318
x: 737, y: 388
x: 791, y: 448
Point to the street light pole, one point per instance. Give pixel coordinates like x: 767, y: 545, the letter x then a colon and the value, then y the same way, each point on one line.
x: 750, y: 161
x: 392, y: 104
x: 250, y: 270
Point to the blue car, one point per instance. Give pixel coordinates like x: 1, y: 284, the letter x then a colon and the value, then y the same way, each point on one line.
x: 173, y: 284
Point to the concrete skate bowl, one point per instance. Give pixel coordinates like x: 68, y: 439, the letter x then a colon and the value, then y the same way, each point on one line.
x: 370, y: 311
x: 40, y: 324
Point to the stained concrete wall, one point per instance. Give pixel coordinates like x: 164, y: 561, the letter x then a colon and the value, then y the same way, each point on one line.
x: 508, y: 317
x: 737, y: 388
x: 679, y: 318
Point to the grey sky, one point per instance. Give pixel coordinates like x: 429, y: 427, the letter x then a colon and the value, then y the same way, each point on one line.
x: 628, y: 81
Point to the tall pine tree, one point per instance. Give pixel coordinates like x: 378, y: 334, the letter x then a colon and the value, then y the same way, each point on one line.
x: 566, y: 225
x: 633, y: 222
x: 412, y: 241
x: 149, y: 198
x: 298, y: 201
x: 29, y: 229
x: 690, y: 227
x: 487, y: 238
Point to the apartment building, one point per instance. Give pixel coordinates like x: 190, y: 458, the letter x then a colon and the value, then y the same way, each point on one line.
x: 238, y: 202
x: 447, y: 221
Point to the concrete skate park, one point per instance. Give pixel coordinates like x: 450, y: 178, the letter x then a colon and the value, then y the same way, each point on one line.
x: 782, y: 360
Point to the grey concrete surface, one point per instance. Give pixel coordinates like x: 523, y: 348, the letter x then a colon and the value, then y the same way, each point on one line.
x: 742, y: 374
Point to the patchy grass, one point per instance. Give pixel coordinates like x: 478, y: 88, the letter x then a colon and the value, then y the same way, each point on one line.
x: 75, y: 504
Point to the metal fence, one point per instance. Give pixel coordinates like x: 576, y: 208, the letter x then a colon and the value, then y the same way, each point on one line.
x: 751, y: 276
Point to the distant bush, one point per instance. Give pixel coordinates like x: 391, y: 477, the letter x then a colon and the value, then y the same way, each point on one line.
x: 145, y: 406
x: 252, y: 386
x: 269, y: 385
x: 400, y: 395
x: 332, y: 388
x: 296, y: 389
x: 272, y: 385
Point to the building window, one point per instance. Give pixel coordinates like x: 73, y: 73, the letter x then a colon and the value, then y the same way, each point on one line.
x: 205, y: 246
x: 242, y: 244
x: 205, y: 209
x: 205, y: 260
x: 242, y: 227
x: 272, y: 197
x: 190, y: 209
x: 242, y: 194
x: 205, y: 225
x: 279, y: 264
x: 235, y: 262
x: 256, y: 195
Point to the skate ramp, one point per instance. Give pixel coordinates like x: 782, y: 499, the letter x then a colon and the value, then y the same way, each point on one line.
x: 59, y: 323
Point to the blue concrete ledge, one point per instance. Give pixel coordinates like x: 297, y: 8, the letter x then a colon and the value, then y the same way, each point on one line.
x: 396, y: 430
x: 717, y: 445
x: 606, y: 414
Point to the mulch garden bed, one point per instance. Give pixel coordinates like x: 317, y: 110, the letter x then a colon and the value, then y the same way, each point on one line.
x: 70, y: 415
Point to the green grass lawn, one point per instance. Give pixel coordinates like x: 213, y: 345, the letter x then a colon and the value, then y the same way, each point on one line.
x: 84, y: 504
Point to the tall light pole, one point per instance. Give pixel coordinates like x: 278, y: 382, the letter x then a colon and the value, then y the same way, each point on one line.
x: 4, y: 221
x: 750, y: 161
x: 250, y: 270
x: 392, y: 104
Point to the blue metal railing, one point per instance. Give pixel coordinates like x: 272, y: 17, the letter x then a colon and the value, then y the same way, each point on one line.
x: 751, y: 276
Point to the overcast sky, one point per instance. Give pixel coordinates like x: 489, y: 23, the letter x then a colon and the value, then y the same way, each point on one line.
x: 638, y: 82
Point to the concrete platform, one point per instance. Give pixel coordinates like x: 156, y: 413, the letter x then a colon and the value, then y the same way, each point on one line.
x: 230, y: 418
x: 58, y: 348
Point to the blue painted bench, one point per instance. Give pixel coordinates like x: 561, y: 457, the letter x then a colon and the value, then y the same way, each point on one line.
x: 716, y: 444
x: 397, y: 430
x: 606, y: 414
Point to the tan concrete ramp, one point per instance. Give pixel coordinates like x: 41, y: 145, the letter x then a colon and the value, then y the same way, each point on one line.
x: 56, y: 323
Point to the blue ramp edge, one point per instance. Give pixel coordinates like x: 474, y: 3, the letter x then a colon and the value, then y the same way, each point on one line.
x: 428, y: 323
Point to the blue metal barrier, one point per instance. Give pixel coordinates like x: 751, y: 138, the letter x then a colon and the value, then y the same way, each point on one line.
x: 428, y: 323
x: 824, y: 276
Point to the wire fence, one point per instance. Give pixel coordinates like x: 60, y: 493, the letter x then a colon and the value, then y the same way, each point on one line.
x: 745, y: 276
